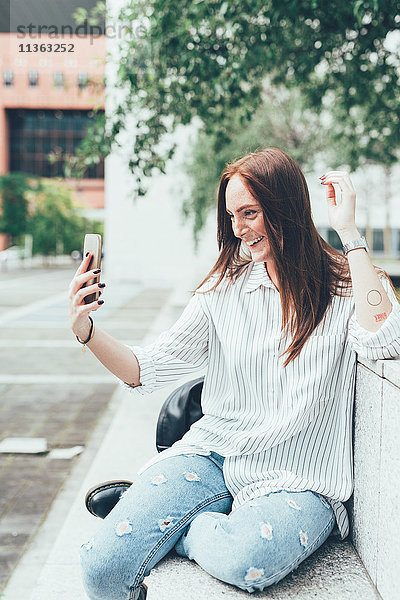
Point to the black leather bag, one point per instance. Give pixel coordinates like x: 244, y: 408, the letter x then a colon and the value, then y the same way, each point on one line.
x: 179, y: 411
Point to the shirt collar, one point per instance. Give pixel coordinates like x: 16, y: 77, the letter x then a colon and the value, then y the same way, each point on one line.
x: 257, y: 276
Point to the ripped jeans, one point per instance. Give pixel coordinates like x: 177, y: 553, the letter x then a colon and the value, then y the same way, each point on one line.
x: 182, y: 502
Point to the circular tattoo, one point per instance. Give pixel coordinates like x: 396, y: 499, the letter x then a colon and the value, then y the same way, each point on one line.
x: 374, y: 297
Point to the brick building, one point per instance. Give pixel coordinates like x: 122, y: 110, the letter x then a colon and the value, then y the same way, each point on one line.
x: 48, y: 90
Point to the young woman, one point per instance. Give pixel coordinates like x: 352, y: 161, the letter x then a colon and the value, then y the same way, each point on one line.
x: 258, y: 483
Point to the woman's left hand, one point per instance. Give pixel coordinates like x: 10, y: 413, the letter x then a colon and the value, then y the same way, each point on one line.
x: 341, y: 214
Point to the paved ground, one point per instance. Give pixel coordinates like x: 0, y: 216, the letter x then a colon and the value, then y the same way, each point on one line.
x: 48, y: 388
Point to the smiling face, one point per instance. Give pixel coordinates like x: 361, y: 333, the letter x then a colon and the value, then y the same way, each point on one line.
x: 247, y: 219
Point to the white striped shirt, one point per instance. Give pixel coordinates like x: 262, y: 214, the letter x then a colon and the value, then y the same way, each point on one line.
x: 279, y: 428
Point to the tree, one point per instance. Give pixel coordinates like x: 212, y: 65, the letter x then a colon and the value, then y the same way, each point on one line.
x: 45, y: 209
x: 54, y: 223
x: 209, y: 58
x: 14, y: 205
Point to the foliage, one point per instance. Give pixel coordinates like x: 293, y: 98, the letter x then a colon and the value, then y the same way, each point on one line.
x: 289, y: 125
x: 45, y: 209
x: 14, y: 204
x: 209, y: 58
x: 55, y: 224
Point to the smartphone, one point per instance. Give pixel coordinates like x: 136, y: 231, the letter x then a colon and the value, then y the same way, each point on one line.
x: 92, y: 244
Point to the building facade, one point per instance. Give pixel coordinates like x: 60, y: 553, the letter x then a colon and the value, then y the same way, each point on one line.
x: 49, y: 90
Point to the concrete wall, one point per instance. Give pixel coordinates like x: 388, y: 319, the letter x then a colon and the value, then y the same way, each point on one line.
x: 375, y: 506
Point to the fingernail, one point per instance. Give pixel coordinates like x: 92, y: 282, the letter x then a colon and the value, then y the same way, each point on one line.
x: 100, y: 301
x: 96, y: 271
x: 101, y: 285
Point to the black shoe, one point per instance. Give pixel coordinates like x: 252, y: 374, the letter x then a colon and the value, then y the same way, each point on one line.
x: 101, y: 499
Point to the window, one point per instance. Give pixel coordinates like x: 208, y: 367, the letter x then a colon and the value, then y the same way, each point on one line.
x: 34, y: 134
x: 8, y: 77
x: 82, y: 79
x: 33, y: 78
x: 377, y: 240
x: 59, y: 79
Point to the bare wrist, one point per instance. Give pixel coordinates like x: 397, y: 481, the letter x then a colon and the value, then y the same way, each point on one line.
x: 83, y: 332
x: 89, y: 336
x: 347, y: 235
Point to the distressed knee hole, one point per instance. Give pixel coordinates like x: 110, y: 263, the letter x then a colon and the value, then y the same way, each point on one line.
x: 165, y: 523
x: 253, y: 574
x: 266, y: 531
x: 159, y: 479
x: 303, y: 538
x: 293, y: 504
x: 189, y: 476
x: 123, y: 528
x: 88, y: 545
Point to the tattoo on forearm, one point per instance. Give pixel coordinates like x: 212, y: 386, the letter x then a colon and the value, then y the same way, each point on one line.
x: 380, y: 317
x: 374, y: 297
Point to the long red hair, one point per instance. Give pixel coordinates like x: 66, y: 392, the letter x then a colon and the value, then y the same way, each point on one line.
x: 309, y: 270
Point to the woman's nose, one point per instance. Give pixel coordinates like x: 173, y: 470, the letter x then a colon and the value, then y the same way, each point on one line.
x: 238, y: 229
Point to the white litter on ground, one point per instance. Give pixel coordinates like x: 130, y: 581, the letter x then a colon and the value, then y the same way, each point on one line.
x: 20, y: 445
x: 65, y: 453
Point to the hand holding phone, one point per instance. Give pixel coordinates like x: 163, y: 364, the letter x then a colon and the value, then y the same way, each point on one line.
x: 92, y: 244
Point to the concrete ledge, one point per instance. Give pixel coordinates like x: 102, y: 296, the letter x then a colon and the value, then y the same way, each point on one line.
x: 388, y: 369
x: 374, y: 507
x: 333, y: 572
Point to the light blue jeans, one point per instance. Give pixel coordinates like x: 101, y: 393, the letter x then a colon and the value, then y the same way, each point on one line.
x: 182, y: 502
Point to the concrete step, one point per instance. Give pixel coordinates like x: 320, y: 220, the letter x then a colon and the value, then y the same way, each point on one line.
x: 333, y: 572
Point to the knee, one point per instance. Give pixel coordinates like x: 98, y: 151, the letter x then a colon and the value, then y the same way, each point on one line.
x: 102, y: 577
x: 94, y: 574
x: 246, y: 573
x: 215, y: 545
x: 239, y: 568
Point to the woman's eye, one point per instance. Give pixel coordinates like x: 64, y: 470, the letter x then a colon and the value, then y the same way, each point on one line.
x: 247, y: 213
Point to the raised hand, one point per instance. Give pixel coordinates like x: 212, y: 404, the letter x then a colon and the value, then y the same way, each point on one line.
x: 78, y: 310
x: 341, y: 211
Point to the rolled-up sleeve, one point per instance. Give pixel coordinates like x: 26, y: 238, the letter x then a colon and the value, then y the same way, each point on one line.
x: 383, y: 343
x: 178, y: 351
